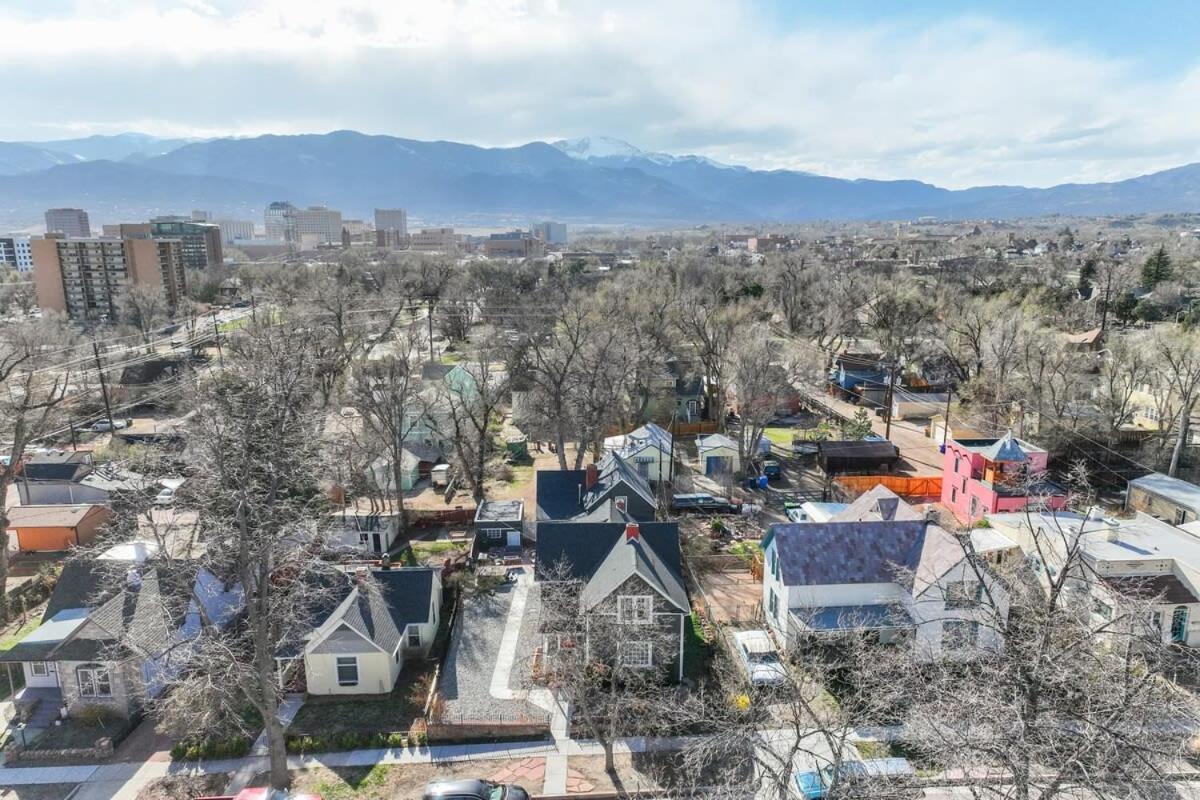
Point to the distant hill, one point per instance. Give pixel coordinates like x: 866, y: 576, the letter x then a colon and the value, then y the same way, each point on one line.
x: 594, y: 179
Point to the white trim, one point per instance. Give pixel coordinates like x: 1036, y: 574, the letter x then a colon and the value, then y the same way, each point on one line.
x: 646, y: 664
x: 681, y: 634
x: 337, y: 670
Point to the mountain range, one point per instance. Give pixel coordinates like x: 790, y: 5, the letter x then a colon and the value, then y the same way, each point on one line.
x: 595, y: 179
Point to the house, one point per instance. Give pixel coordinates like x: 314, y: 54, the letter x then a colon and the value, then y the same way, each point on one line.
x: 100, y: 484
x: 363, y: 530
x: 853, y: 372
x: 990, y: 476
x: 917, y: 405
x: 417, y: 461
x: 649, y: 448
x: 879, y: 569
x: 1164, y: 497
x: 1088, y: 341
x: 857, y: 457
x: 55, y: 528
x: 718, y: 455
x: 1136, y: 557
x: 629, y: 571
x: 378, y: 620
x: 690, y: 397
x: 500, y: 523
x: 610, y: 490
x: 115, y: 632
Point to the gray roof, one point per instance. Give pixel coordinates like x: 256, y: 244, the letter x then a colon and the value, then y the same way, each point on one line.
x: 613, y: 470
x: 714, y: 440
x: 880, y: 503
x: 1173, y: 489
x: 1005, y: 449
x: 821, y: 553
x: 628, y: 557
x: 500, y: 511
x: 379, y: 610
x: 647, y: 435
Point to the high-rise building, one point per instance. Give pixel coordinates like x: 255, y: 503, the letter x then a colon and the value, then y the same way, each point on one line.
x: 391, y: 227
x: 15, y: 252
x: 280, y: 220
x: 87, y: 278
x: 515, y: 244
x: 553, y: 233
x: 434, y: 240
x: 201, y: 216
x: 321, y: 223
x: 201, y: 240
x: 128, y: 230
x: 72, y: 222
x: 235, y: 229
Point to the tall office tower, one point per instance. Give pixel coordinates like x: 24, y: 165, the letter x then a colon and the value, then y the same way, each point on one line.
x: 201, y: 240
x: 551, y: 232
x: 235, y: 229
x: 72, y: 222
x: 87, y: 278
x: 320, y: 224
x: 391, y: 227
x: 280, y: 220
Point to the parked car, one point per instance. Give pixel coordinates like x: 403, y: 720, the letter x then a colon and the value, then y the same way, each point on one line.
x: 759, y: 658
x: 772, y: 469
x: 472, y: 789
x: 701, y: 501
x: 104, y: 426
x: 165, y: 498
x: 890, y: 777
x: 801, y: 448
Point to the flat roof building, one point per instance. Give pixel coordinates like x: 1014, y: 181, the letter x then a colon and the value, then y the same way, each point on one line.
x: 72, y: 222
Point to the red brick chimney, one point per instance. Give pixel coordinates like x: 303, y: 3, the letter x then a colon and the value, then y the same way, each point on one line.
x: 632, y: 532
x: 591, y: 476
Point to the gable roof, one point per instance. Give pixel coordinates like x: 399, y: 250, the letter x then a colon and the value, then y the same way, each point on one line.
x: 649, y: 435
x: 714, y: 440
x: 50, y: 516
x: 436, y: 371
x: 613, y: 471
x: 1007, y: 448
x: 380, y: 609
x: 558, y: 492
x: 822, y: 553
x: 879, y: 503
x: 583, y: 546
x: 631, y: 557
x: 85, y: 584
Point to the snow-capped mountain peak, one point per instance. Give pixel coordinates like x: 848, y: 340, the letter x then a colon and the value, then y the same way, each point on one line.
x: 597, y: 147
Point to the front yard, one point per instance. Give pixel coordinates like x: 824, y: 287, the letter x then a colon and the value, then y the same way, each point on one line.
x: 387, y: 782
x: 331, y: 717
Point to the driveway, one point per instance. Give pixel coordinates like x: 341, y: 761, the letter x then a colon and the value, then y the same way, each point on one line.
x: 481, y: 677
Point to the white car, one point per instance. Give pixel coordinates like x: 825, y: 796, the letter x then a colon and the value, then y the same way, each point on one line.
x: 165, y: 498
x: 759, y: 658
x: 103, y: 426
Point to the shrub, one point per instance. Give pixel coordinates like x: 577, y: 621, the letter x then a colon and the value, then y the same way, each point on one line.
x: 396, y: 740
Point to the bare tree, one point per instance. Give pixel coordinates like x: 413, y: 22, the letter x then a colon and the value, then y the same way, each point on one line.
x: 32, y: 395
x: 1177, y: 354
x: 145, y: 308
x: 472, y: 407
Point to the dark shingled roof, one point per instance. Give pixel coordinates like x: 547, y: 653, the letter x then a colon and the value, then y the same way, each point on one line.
x: 558, y: 492
x: 583, y: 546
x: 86, y: 584
x: 847, y: 552
x: 382, y: 610
x: 1148, y: 587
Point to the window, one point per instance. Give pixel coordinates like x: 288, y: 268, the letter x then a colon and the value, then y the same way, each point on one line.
x: 494, y: 533
x: 974, y: 506
x: 953, y: 494
x: 773, y: 603
x: 643, y: 467
x: 634, y: 610
x: 956, y: 465
x: 1101, y: 608
x: 959, y: 634
x: 94, y: 681
x: 347, y: 670
x: 38, y: 668
x: 622, y: 503
x: 414, y: 636
x: 1180, y: 516
x: 636, y: 654
x: 774, y: 565
x: 963, y: 594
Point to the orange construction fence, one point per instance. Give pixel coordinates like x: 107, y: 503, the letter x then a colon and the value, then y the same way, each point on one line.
x: 906, y: 486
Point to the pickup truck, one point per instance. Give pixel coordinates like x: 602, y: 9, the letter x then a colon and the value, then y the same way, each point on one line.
x: 711, y: 503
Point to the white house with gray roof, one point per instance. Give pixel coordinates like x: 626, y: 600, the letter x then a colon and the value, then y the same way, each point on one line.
x: 880, y: 568
x: 648, y: 448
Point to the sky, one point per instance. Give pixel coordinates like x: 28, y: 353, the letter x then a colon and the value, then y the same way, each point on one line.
x: 953, y: 93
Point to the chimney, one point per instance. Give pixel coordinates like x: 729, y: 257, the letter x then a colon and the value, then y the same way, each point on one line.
x: 133, y: 578
x: 591, y: 476
x: 632, y: 532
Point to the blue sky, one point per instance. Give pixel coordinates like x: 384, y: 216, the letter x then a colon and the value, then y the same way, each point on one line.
x: 957, y: 94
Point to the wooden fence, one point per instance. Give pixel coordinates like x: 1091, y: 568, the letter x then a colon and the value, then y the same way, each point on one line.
x: 907, y: 486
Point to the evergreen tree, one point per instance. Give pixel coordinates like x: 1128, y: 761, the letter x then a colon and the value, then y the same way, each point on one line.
x: 1156, y: 269
x: 1087, y: 274
x: 859, y: 427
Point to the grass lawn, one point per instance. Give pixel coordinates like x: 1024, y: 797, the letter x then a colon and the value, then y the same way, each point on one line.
x: 10, y: 640
x: 387, y: 782
x: 393, y: 712
x: 781, y: 437
x: 697, y: 653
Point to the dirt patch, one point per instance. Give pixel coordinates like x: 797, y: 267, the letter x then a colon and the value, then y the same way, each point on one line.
x: 44, y: 791
x: 389, y: 781
x: 733, y: 593
x: 174, y: 787
x: 655, y: 772
x: 145, y: 743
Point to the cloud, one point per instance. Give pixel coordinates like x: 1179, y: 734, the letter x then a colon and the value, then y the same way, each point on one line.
x: 966, y: 101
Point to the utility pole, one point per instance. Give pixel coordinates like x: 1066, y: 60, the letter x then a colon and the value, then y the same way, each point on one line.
x: 103, y: 387
x: 671, y: 466
x: 887, y: 409
x: 429, y: 318
x: 74, y: 441
x: 217, y: 334
x: 946, y: 421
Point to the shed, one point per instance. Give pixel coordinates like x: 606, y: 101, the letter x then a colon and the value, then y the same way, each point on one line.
x: 913, y: 405
x: 718, y: 455
x: 857, y: 457
x: 55, y: 527
x: 500, y: 523
x: 1162, y: 496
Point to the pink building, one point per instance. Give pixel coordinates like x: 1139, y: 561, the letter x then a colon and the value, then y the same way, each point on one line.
x: 990, y: 476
